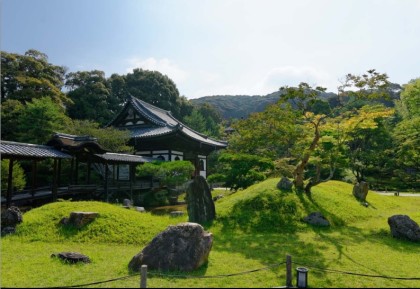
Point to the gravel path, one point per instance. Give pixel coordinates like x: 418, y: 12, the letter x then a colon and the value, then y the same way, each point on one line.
x: 393, y: 194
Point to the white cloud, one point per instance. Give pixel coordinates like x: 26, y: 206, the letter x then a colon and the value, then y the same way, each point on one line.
x: 164, y: 66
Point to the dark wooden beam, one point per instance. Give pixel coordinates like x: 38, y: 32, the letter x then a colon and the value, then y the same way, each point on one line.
x: 10, y: 184
x: 33, y: 184
x: 54, y: 186
x: 106, y: 181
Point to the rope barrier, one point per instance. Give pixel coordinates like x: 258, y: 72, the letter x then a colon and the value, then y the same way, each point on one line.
x: 238, y: 274
x: 358, y: 274
x: 96, y: 283
x: 215, y: 276
x: 173, y: 276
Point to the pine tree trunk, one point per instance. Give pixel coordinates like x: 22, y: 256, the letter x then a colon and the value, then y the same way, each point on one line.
x: 299, y: 172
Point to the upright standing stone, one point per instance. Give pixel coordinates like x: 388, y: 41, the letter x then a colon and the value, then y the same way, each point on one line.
x: 285, y: 184
x: 360, y: 190
x: 200, y: 204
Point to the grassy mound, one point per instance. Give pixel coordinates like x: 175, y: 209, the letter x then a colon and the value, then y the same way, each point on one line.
x: 264, y: 208
x: 114, y: 224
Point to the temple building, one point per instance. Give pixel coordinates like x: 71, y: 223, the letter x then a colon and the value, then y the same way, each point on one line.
x: 156, y: 133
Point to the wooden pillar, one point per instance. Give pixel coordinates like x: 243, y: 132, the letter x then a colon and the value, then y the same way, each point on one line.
x: 76, y: 176
x: 289, y: 271
x: 71, y: 171
x: 113, y: 174
x: 88, y: 171
x: 131, y: 170
x: 106, y: 182
x: 59, y: 173
x: 10, y: 184
x: 33, y: 183
x: 54, y: 186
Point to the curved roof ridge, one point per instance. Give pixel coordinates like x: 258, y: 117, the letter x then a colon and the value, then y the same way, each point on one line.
x: 145, y: 109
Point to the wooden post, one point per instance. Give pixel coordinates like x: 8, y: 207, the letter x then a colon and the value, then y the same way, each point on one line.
x: 9, y: 184
x: 33, y: 184
x: 88, y: 171
x: 131, y: 175
x: 76, y: 176
x: 143, y: 276
x: 289, y: 271
x: 59, y: 173
x: 71, y: 171
x: 106, y: 181
x: 54, y: 186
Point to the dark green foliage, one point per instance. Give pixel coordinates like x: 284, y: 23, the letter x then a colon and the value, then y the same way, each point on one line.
x: 18, y: 180
x: 39, y: 120
x: 242, y: 170
x: 110, y: 138
x: 242, y: 106
x: 155, y: 199
x: 91, y: 96
x: 170, y: 174
x: 204, y: 119
x: 29, y: 76
x: 11, y: 110
x: 155, y: 88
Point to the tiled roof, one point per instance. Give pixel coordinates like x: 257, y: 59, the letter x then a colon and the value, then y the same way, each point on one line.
x: 74, y: 143
x: 166, y: 124
x: 124, y: 158
x: 16, y: 149
x: 143, y: 132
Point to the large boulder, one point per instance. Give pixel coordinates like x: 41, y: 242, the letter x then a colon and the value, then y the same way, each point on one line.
x: 316, y: 219
x: 360, y: 190
x: 285, y: 184
x: 404, y: 228
x: 184, y: 247
x: 11, y: 217
x: 200, y: 205
x: 79, y: 219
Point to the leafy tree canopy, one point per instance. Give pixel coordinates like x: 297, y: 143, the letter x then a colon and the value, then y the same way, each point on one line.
x: 110, y: 138
x: 18, y: 180
x: 91, y: 95
x: 243, y: 170
x: 39, y: 119
x: 29, y: 76
x: 169, y: 173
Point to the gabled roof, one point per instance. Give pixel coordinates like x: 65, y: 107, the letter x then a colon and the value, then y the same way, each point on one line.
x: 74, y: 143
x: 10, y: 149
x: 164, y: 123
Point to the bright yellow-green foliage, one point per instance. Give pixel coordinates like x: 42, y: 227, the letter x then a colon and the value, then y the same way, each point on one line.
x: 114, y: 224
x: 255, y: 227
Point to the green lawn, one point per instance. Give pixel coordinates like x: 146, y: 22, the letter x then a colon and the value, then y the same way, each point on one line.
x: 255, y: 227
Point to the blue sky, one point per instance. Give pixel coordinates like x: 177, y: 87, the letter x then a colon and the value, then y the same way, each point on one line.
x: 222, y: 46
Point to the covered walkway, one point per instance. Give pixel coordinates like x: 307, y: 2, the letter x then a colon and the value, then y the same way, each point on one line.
x: 116, y: 170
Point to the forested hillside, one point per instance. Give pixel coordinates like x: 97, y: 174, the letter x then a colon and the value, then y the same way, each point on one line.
x: 241, y: 106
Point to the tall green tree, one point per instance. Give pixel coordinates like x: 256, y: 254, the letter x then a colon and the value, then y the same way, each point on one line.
x: 11, y: 110
x: 271, y: 133
x: 369, y: 86
x: 407, y: 133
x: 154, y: 88
x: 18, y: 180
x: 29, y: 76
x: 243, y: 170
x: 109, y: 138
x: 91, y: 95
x: 39, y: 120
